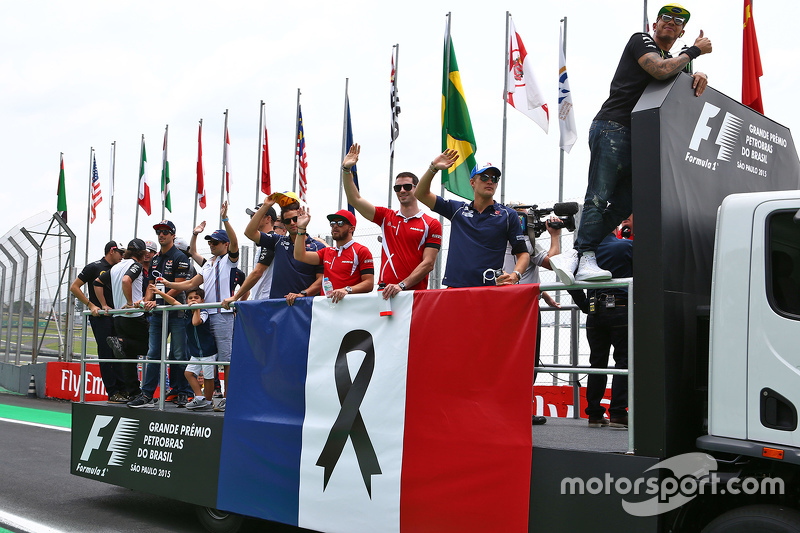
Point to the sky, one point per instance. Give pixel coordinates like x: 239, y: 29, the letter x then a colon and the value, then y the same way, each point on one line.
x: 74, y: 79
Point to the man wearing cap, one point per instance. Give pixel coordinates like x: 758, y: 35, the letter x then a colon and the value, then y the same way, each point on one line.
x: 291, y: 279
x: 170, y: 263
x: 102, y: 325
x: 410, y: 239
x: 479, y: 229
x: 348, y: 265
x: 126, y: 282
x: 218, y: 278
x: 609, y: 197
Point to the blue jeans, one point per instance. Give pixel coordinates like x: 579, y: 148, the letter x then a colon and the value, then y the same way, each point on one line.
x: 609, y: 195
x: 177, y: 352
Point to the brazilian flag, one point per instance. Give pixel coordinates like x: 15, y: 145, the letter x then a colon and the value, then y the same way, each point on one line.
x: 456, y: 128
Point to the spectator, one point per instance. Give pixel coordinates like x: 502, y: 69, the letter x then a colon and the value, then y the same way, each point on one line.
x: 479, y: 229
x: 411, y: 239
x: 126, y: 280
x: 201, y: 347
x: 218, y: 277
x: 348, y: 265
x: 259, y: 281
x: 102, y: 325
x: 173, y: 265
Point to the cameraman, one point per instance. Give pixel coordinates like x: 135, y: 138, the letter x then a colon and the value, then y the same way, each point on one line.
x: 538, y: 257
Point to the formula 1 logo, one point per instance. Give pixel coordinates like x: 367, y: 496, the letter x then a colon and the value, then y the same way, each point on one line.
x: 119, y: 443
x: 726, y: 138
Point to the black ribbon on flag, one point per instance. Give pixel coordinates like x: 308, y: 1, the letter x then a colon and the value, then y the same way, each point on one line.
x: 349, y: 422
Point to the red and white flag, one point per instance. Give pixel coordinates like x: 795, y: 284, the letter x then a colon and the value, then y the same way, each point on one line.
x: 228, y: 165
x: 201, y: 175
x: 266, y: 183
x: 523, y: 91
x: 97, y: 196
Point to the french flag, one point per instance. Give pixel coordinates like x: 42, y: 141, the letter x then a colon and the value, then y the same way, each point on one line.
x: 342, y: 420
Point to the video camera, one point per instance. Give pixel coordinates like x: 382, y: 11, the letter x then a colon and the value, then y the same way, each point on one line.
x: 535, y: 217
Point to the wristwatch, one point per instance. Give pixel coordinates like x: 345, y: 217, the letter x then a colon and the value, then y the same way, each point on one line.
x: 519, y: 276
x: 349, y: 289
x: 304, y: 293
x: 402, y: 286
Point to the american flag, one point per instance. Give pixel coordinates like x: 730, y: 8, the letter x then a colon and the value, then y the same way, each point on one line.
x: 301, y: 155
x: 97, y: 196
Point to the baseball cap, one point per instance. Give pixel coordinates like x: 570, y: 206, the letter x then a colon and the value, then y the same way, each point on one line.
x: 112, y: 245
x: 481, y: 169
x: 137, y: 245
x: 165, y: 224
x: 252, y: 212
x: 181, y: 244
x: 343, y: 214
x: 676, y: 10
x: 285, y: 198
x: 219, y: 235
x: 151, y: 246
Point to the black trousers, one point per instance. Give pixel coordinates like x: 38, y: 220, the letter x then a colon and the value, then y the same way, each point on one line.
x: 134, y: 332
x: 604, y: 329
x: 102, y: 328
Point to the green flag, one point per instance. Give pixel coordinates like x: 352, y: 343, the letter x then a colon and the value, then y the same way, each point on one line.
x: 456, y: 128
x: 61, y: 208
x: 165, y: 197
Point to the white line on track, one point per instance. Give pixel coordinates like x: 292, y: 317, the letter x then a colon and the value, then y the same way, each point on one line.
x: 24, y: 524
x: 24, y: 423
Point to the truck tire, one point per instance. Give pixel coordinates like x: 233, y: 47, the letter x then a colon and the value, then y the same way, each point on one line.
x: 762, y: 518
x: 215, y: 521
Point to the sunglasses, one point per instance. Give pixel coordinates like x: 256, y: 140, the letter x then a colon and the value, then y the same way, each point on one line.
x: 163, y: 232
x: 678, y: 20
x: 212, y: 242
x: 404, y: 187
x: 485, y: 178
x: 339, y: 223
x: 288, y: 221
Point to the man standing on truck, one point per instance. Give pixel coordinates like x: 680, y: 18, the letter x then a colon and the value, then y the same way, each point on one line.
x: 410, y: 238
x: 479, y: 230
x: 609, y: 198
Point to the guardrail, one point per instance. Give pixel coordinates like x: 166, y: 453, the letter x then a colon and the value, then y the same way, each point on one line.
x: 163, y: 362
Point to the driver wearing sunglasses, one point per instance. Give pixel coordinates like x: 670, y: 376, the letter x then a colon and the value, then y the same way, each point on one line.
x: 479, y: 230
x: 411, y: 239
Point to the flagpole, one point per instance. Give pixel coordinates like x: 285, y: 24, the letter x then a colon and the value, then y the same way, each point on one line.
x: 344, y: 140
x: 89, y: 206
x: 164, y: 176
x: 505, y: 112
x: 644, y: 22
x: 111, y: 192
x: 224, y: 166
x: 296, y: 134
x: 561, y: 150
x: 259, y: 166
x: 136, y: 218
x: 437, y: 266
x: 396, y: 54
x: 196, y: 192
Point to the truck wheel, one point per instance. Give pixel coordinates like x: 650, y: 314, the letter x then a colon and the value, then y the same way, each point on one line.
x: 766, y: 518
x: 215, y: 521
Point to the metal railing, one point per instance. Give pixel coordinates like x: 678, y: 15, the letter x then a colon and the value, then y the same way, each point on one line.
x: 163, y: 362
x: 573, y: 368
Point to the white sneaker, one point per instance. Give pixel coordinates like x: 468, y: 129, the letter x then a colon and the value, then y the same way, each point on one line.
x: 199, y: 403
x: 588, y: 269
x: 564, y: 265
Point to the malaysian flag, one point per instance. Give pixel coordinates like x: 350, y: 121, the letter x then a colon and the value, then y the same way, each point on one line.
x: 97, y: 196
x: 395, y: 106
x: 301, y: 155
